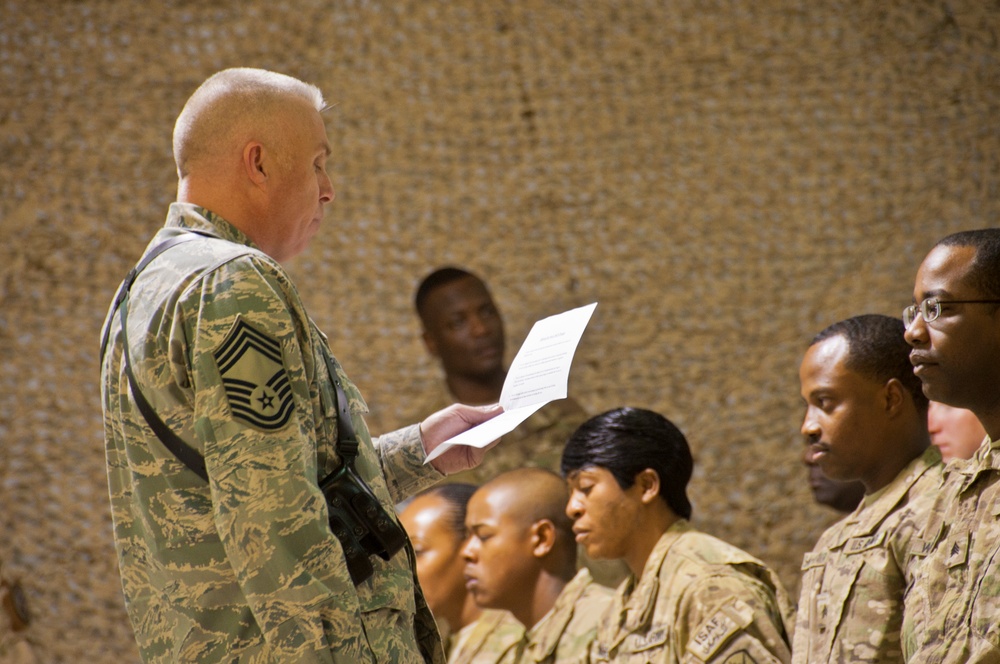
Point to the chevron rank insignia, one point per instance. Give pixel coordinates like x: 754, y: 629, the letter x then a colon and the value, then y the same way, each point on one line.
x: 254, y: 377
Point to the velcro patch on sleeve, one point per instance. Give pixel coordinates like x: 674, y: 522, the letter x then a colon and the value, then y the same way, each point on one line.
x: 254, y: 377
x: 715, y: 631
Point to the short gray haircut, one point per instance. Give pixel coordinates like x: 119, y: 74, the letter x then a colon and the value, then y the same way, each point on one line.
x: 232, y: 105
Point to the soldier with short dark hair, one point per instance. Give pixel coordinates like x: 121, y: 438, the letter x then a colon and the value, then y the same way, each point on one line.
x: 953, y: 327
x: 866, y: 421
x: 463, y: 329
x: 521, y: 557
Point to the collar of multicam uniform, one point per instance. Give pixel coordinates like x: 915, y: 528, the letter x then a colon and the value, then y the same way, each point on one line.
x: 496, y: 630
x: 544, y: 637
x: 876, y: 507
x: 641, y: 603
x: 188, y: 215
x: 985, y: 460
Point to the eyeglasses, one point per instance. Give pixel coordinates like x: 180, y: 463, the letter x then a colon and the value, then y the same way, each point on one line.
x: 930, y: 309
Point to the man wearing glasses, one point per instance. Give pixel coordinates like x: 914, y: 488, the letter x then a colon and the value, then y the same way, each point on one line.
x: 951, y: 609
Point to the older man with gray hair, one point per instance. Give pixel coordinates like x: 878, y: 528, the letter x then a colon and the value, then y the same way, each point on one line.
x: 252, y: 511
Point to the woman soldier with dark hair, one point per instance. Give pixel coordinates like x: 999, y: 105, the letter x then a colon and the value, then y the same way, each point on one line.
x: 690, y: 596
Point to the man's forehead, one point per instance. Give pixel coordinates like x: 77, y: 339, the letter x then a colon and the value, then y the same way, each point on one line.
x: 458, y: 294
x: 943, y: 271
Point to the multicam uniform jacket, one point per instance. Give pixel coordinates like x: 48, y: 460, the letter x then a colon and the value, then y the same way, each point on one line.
x: 698, y: 600
x: 486, y: 640
x: 952, y: 609
x: 245, y: 568
x: 851, y: 605
x: 566, y: 633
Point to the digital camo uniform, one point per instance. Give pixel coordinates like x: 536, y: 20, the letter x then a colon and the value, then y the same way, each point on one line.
x: 246, y: 569
x: 487, y: 639
x: 952, y: 610
x: 851, y: 606
x: 699, y: 600
x: 538, y: 441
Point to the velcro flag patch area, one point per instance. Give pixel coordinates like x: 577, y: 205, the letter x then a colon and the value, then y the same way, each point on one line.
x: 254, y: 377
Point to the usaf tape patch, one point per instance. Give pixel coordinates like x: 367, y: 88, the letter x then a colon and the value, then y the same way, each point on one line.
x: 254, y: 377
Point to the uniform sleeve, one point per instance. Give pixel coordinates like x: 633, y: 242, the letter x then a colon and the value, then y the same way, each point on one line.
x: 402, y: 458
x: 255, y: 412
x: 724, y: 619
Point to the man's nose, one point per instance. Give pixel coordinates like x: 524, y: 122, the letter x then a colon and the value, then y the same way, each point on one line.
x: 810, y: 428
x: 470, y: 551
x: 916, y: 333
x: 326, y: 191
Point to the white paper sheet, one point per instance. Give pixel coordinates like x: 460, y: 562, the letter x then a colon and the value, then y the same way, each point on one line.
x: 538, y: 375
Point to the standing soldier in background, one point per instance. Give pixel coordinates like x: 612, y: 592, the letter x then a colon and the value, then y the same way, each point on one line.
x: 866, y: 420
x: 464, y: 331
x: 953, y: 327
x: 224, y: 407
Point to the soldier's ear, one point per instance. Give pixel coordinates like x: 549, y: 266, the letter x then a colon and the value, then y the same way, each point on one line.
x: 894, y: 396
x: 253, y: 163
x: 543, y: 538
x: 648, y: 481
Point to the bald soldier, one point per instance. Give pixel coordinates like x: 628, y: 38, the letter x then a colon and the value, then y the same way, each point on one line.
x: 865, y: 420
x: 521, y: 556
x: 224, y: 407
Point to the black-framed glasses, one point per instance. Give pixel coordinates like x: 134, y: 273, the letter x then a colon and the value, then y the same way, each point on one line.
x: 930, y: 309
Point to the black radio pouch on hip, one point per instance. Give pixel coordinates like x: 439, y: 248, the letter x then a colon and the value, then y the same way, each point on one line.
x: 357, y: 518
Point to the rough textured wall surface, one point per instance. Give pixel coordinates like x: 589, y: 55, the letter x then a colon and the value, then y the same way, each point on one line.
x: 724, y: 178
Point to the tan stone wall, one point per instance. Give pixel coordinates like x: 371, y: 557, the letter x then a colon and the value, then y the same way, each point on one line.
x: 724, y: 178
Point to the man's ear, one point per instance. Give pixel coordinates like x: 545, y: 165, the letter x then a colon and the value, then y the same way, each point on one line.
x: 543, y: 538
x: 253, y: 163
x: 894, y: 397
x: 648, y: 482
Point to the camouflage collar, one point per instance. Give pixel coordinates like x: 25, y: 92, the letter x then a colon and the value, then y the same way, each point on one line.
x: 639, y: 604
x: 985, y: 460
x: 875, y: 508
x: 187, y: 215
x: 544, y: 637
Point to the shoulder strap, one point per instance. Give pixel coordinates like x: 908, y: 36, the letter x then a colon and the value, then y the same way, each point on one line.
x: 187, y: 454
x: 347, y: 440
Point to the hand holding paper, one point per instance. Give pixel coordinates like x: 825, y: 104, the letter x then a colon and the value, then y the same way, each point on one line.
x: 538, y: 375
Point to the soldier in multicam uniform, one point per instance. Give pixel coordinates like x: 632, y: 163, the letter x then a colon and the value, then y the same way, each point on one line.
x: 866, y: 420
x: 245, y: 567
x: 435, y: 522
x: 691, y: 598
x: 952, y: 608
x: 521, y: 557
x: 463, y: 329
